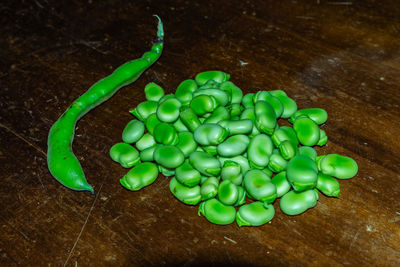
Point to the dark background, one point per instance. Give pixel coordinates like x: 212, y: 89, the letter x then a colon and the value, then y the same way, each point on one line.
x: 343, y: 56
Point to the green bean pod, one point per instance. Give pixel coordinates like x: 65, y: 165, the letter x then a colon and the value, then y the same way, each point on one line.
x: 151, y: 122
x: 289, y: 106
x: 265, y: 117
x: 184, y: 92
x: 307, y: 131
x: 221, y: 97
x: 302, y: 173
x: 233, y: 146
x: 308, y: 151
x: 187, y: 195
x: 247, y: 101
x: 255, y: 214
x: 294, y: 203
x: 270, y: 99
x: 209, y: 188
x: 318, y: 115
x: 144, y: 109
x: 231, y: 171
x: 288, y: 149
x: 146, y: 141
x: 237, y: 127
x: 168, y: 111
x: 168, y: 156
x: 219, y: 114
x: 214, y: 75
x: 190, y: 119
x: 241, y: 160
x: 153, y: 92
x: 187, y: 175
x: 258, y: 186
x: 125, y: 154
x: 210, y: 134
x: 281, y: 183
x: 203, y: 104
x: 228, y: 193
x: 338, y: 166
x: 186, y: 143
x: 140, y: 176
x: 284, y: 133
x: 236, y: 92
x: 166, y: 134
x: 205, y: 163
x: 328, y: 185
x: 133, y: 131
x: 259, y: 151
x: 216, y: 212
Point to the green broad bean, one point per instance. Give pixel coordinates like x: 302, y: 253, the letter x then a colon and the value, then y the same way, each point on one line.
x: 255, y: 214
x: 281, y: 183
x: 179, y: 126
x: 270, y: 99
x: 265, y: 117
x: 221, y: 97
x: 247, y: 101
x: 289, y: 105
x: 165, y: 97
x: 235, y: 110
x: 237, y: 127
x: 148, y: 153
x: 187, y: 195
x: 187, y: 175
x: 241, y: 160
x: 318, y: 115
x: 258, y: 186
x: 186, y: 143
x: 219, y: 114
x: 133, y: 131
x: 214, y: 75
x: 209, y: 188
x: 259, y: 151
x: 268, y: 172
x: 318, y: 161
x: 140, y: 176
x: 153, y: 92
x: 294, y: 203
x: 190, y: 119
x: 248, y: 113
x: 328, y: 185
x: 323, y: 138
x: 212, y: 150
x: 203, y: 104
x: 284, y: 133
x: 168, y: 156
x: 166, y: 134
x: 151, y: 122
x: 227, y: 193
x: 302, y: 173
x: 210, y: 134
x: 146, y: 141
x: 288, y: 149
x: 235, y: 118
x: 233, y: 146
x: 216, y: 212
x: 231, y: 171
x: 338, y: 166
x: 168, y: 111
x: 125, y: 154
x: 210, y: 84
x: 166, y: 171
x: 308, y: 151
x: 144, y: 109
x: 241, y: 197
x: 184, y: 92
x: 277, y: 163
x: 205, y: 163
x: 307, y: 131
x: 236, y: 92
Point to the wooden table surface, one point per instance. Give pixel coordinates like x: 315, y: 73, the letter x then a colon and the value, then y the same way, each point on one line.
x: 343, y: 56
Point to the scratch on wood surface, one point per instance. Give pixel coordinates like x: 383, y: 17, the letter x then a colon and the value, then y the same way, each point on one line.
x: 354, y: 239
x: 83, y: 226
x: 230, y: 240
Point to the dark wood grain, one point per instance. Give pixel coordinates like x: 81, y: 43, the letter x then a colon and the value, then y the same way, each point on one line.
x: 343, y: 56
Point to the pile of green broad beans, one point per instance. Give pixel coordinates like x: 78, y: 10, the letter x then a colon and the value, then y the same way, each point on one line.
x: 226, y: 152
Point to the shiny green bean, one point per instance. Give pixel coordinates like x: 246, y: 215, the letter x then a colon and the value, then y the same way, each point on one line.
x: 125, y: 154
x: 258, y: 186
x: 216, y: 212
x: 294, y: 203
x: 168, y: 111
x: 186, y: 143
x: 259, y: 151
x: 144, y: 109
x: 307, y: 131
x: 231, y: 171
x: 146, y: 141
x: 308, y: 151
x: 302, y: 173
x: 237, y: 127
x: 203, y: 104
x: 168, y: 156
x: 210, y: 134
x: 247, y: 101
x: 153, y: 92
x: 318, y: 115
x: 236, y: 92
x: 328, y: 185
x: 187, y: 175
x: 338, y: 166
x: 205, y: 163
x: 255, y: 214
x: 284, y: 133
x: 184, y: 92
x: 233, y: 146
x: 148, y: 153
x: 209, y: 188
x: 228, y: 193
x: 151, y: 122
x: 270, y: 99
x: 221, y: 97
x: 140, y: 176
x: 282, y: 184
x: 288, y: 149
x: 265, y: 117
x: 241, y: 160
x: 166, y: 134
x: 133, y: 131
x: 219, y: 114
x: 187, y: 195
x: 190, y: 119
x: 215, y: 75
